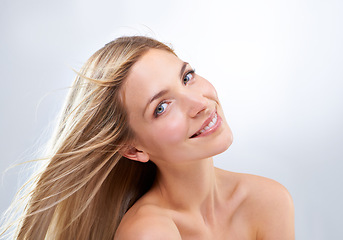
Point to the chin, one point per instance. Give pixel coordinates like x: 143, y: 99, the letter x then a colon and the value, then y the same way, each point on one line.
x: 224, y: 142
x: 226, y: 137
x: 223, y: 146
x: 220, y: 145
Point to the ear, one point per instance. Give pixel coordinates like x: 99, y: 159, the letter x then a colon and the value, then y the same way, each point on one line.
x: 135, y: 154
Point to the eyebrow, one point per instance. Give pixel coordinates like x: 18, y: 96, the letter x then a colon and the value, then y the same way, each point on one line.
x: 163, y: 92
x: 158, y: 95
x: 183, y: 68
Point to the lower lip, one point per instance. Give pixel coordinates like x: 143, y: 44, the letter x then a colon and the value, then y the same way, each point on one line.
x: 211, y: 129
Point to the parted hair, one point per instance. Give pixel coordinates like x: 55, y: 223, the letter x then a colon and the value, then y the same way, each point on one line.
x: 86, y: 185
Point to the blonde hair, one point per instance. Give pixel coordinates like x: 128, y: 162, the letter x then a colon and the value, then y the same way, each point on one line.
x: 87, y: 186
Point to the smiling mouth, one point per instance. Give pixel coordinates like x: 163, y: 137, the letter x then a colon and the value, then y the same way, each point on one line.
x: 211, y: 125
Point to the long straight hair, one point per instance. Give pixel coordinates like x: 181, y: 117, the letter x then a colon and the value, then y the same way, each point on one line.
x: 87, y: 185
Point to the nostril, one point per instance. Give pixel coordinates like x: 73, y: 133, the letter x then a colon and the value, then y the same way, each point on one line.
x: 195, y: 102
x: 201, y: 107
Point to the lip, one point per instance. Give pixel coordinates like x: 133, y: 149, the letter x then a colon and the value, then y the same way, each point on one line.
x: 211, y: 129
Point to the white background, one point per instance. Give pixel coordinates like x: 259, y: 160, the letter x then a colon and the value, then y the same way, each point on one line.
x: 277, y: 66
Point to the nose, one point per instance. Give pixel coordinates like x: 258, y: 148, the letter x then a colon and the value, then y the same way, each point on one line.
x: 194, y: 103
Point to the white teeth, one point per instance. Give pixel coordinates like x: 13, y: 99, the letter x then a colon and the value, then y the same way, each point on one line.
x: 210, y: 124
x: 214, y: 120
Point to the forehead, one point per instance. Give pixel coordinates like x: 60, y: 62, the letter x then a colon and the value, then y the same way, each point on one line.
x: 152, y: 73
x: 152, y: 63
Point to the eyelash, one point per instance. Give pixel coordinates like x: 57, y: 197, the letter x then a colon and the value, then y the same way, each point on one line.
x: 189, y: 72
x: 156, y: 114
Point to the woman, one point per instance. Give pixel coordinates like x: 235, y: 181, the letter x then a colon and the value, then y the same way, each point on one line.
x: 132, y: 159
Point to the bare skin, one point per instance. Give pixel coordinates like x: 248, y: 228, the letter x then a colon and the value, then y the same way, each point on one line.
x: 241, y: 207
x: 191, y: 199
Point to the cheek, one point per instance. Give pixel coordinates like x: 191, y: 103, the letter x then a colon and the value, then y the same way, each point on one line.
x: 212, y: 91
x: 172, y: 129
x: 208, y: 89
x: 162, y: 135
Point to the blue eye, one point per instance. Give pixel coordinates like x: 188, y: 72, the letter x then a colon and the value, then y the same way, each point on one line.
x: 189, y: 76
x: 160, y: 109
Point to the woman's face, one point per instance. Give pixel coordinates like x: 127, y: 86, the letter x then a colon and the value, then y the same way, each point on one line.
x: 174, y: 113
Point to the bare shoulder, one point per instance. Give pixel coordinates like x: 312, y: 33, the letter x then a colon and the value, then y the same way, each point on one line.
x: 264, y: 189
x: 147, y: 222
x: 255, y: 186
x: 265, y: 205
x: 270, y: 207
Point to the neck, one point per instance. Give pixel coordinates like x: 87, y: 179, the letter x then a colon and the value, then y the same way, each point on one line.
x: 190, y: 186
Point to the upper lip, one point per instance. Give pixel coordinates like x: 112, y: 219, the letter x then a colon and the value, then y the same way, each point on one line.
x: 207, y: 121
